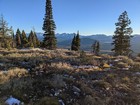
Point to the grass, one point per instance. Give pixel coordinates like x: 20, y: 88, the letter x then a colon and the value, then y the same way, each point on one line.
x: 11, y: 73
x: 51, y: 71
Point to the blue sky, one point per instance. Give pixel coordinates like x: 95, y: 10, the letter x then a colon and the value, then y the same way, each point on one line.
x: 87, y: 16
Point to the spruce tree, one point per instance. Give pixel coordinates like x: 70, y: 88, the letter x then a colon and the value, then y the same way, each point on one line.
x: 122, y: 35
x: 3, y: 27
x: 36, y: 40
x: 30, y: 39
x: 24, y: 39
x: 73, y: 47
x: 13, y: 40
x: 77, y: 43
x: 5, y: 33
x: 49, y: 27
x: 96, y: 47
x: 18, y: 39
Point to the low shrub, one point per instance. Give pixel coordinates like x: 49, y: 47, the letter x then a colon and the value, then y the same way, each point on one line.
x: 48, y: 101
x: 126, y: 80
x: 11, y: 73
x: 122, y: 65
x: 136, y: 66
x: 57, y: 81
x: 127, y: 60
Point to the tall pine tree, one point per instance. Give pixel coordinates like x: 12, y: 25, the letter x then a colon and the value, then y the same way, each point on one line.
x: 49, y: 27
x: 24, y: 39
x: 13, y: 40
x: 5, y: 33
x: 77, y: 43
x: 30, y: 39
x: 36, y: 40
x: 73, y: 43
x: 18, y: 39
x: 122, y: 35
x: 96, y: 47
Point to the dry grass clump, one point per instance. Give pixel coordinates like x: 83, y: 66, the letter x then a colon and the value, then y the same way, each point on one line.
x: 106, y: 65
x: 89, y: 100
x: 126, y: 79
x: 85, y: 59
x: 122, y: 65
x: 127, y: 60
x: 86, y: 89
x: 14, y: 72
x: 17, y: 72
x: 17, y: 87
x: 61, y: 65
x: 2, y: 102
x: 1, y: 55
x: 106, y: 56
x: 137, y: 59
x: 57, y: 81
x: 136, y: 66
x: 101, y: 84
x: 48, y: 101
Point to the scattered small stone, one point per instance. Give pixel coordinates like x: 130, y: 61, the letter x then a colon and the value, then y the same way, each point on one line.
x: 12, y: 101
x: 76, y: 93
x: 61, y: 102
x: 137, y: 73
x: 76, y: 89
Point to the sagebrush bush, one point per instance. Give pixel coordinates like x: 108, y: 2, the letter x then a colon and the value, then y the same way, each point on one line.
x: 48, y: 101
x: 122, y: 65
x: 101, y: 84
x: 61, y: 65
x: 127, y: 60
x: 14, y: 72
x: 126, y: 80
x: 136, y: 66
x: 57, y: 81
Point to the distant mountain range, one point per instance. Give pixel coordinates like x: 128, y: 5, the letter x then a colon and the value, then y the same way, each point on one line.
x: 64, y: 41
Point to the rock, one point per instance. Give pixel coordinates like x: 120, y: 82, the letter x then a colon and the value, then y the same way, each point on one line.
x: 1, y: 64
x: 57, y: 92
x: 61, y: 102
x: 137, y: 73
x: 76, y: 93
x: 22, y: 103
x: 138, y: 85
x: 12, y: 101
x: 76, y: 89
x: 107, y: 88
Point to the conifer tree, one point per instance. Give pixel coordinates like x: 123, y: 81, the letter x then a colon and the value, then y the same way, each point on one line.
x: 13, y: 40
x: 49, y: 27
x: 5, y: 33
x: 77, y: 43
x: 13, y: 44
x: 122, y: 35
x: 73, y: 47
x: 36, y: 40
x: 24, y: 39
x: 96, y: 47
x: 18, y: 39
x: 30, y: 39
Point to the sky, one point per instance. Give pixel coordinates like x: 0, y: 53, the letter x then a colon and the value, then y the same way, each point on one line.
x: 88, y: 16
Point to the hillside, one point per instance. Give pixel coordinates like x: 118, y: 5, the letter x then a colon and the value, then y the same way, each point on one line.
x: 63, y: 77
